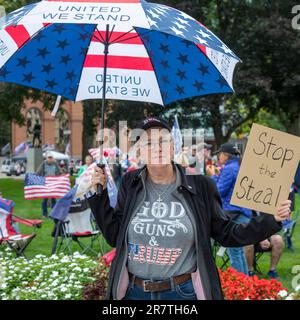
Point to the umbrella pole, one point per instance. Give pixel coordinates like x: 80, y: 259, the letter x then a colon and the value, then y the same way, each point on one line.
x: 101, y: 163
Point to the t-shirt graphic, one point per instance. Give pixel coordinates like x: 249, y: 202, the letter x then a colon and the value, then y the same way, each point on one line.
x: 161, y: 236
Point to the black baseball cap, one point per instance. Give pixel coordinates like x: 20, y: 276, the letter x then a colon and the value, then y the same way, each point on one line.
x: 228, y: 148
x: 153, y: 122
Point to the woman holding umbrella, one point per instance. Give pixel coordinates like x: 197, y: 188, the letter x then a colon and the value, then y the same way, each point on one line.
x: 163, y: 223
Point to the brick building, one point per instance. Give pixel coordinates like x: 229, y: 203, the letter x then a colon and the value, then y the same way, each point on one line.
x: 64, y: 131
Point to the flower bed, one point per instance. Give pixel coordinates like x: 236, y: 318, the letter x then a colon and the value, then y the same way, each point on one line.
x: 58, y: 277
x: 77, y: 277
x: 238, y: 286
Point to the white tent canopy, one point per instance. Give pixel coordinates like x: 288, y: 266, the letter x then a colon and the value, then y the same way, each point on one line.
x: 58, y: 156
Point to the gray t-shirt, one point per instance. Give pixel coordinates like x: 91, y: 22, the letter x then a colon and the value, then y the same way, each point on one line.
x: 50, y: 169
x: 161, y: 236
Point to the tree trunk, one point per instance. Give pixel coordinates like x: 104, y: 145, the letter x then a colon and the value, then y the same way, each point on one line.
x: 216, y: 121
x: 218, y: 132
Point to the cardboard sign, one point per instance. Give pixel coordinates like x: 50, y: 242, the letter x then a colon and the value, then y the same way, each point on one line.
x: 267, y: 170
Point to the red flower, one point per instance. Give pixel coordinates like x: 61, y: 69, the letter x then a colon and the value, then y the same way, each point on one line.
x: 238, y: 286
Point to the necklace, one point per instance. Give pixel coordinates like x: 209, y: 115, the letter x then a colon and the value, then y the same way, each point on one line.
x: 160, y: 194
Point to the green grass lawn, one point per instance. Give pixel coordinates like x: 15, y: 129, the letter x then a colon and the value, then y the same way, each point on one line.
x: 42, y: 244
x: 289, y: 259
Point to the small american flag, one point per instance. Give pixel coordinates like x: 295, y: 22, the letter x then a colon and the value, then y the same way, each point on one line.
x: 38, y: 187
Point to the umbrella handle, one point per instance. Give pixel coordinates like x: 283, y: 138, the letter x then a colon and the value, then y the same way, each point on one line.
x: 99, y: 186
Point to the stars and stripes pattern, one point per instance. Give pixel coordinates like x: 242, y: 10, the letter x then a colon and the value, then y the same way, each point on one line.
x: 156, y: 54
x: 84, y: 181
x: 6, y: 229
x: 38, y: 187
x: 172, y: 21
x: 107, y: 152
x: 6, y: 206
x: 130, y: 73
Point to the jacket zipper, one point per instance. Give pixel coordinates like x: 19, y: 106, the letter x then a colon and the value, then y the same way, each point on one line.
x: 126, y: 246
x: 181, y: 198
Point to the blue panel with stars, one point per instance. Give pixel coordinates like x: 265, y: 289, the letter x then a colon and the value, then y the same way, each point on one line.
x: 52, y: 60
x: 170, y: 20
x: 181, y: 69
x: 32, y: 179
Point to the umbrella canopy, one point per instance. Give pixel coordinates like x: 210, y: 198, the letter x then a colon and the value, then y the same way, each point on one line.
x: 130, y: 49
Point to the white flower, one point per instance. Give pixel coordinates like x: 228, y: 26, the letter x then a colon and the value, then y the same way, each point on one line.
x: 77, y: 269
x: 282, y: 293
x: 54, y: 283
x: 297, y: 288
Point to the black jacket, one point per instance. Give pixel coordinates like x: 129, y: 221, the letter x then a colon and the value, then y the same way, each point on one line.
x: 211, y: 221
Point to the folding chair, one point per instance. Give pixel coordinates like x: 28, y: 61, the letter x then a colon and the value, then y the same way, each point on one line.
x: 78, y: 224
x: 288, y: 230
x: 17, y: 241
x: 257, y: 256
x: 221, y: 252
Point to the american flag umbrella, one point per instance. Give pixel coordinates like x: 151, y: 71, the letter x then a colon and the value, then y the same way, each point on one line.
x: 151, y: 52
x: 113, y: 49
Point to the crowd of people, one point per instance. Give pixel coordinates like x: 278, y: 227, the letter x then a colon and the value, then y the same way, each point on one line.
x: 166, y: 216
x: 221, y: 166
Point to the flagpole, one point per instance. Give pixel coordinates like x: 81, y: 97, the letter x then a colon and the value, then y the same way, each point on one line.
x: 101, y: 162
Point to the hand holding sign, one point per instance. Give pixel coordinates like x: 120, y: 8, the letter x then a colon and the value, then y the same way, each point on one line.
x: 284, y: 211
x: 267, y: 171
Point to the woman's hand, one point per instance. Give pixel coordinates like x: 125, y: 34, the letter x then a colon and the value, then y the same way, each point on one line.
x: 99, y: 177
x: 211, y: 170
x: 284, y: 211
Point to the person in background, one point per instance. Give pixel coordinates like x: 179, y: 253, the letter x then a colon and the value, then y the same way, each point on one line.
x: 287, y: 224
x: 192, y: 160
x: 88, y: 162
x: 117, y: 170
x: 275, y: 245
x: 48, y: 168
x: 203, y: 156
x: 63, y: 166
x: 71, y: 167
x: 229, y: 157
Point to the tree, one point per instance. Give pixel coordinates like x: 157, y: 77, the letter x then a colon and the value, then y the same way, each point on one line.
x: 12, y: 96
x: 278, y: 59
x: 229, y: 20
x: 270, y: 74
x: 11, y: 5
